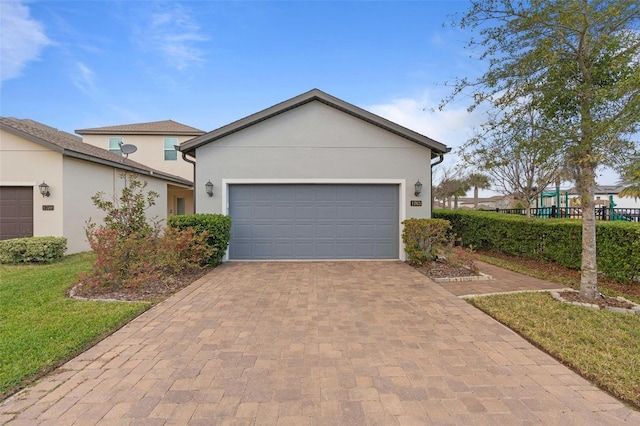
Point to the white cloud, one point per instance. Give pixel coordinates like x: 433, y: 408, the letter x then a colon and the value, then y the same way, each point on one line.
x: 84, y: 78
x: 176, y: 35
x: 22, y: 39
x: 452, y: 127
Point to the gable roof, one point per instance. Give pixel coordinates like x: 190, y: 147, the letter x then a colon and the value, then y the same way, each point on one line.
x: 72, y: 146
x: 165, y: 127
x: 437, y: 148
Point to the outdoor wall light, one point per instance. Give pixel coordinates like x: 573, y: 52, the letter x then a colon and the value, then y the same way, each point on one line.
x: 44, y: 189
x: 209, y: 188
x: 418, y: 187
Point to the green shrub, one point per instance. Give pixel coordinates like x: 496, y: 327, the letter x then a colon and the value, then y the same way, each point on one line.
x: 423, y: 238
x: 131, y: 249
x: 557, y: 240
x: 140, y: 259
x: 217, y: 227
x: 32, y: 249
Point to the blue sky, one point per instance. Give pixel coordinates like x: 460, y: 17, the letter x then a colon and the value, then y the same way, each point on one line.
x: 80, y: 64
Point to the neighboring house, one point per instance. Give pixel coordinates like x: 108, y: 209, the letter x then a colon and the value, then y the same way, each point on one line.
x: 314, y: 177
x: 487, y: 203
x: 155, y: 142
x: 602, y: 194
x: 33, y: 153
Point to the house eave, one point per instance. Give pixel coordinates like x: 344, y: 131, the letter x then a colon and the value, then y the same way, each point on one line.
x: 191, y: 145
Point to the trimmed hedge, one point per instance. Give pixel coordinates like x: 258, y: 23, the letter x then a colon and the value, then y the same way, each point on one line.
x: 557, y: 240
x: 32, y: 249
x: 217, y: 227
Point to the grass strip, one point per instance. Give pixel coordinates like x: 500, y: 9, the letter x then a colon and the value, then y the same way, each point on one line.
x: 40, y: 327
x: 602, y: 346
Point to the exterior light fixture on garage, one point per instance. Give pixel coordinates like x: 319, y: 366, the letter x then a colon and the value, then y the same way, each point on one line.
x: 209, y: 188
x: 44, y: 189
x: 418, y: 187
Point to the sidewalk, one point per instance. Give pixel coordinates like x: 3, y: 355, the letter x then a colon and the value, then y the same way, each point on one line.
x: 504, y: 281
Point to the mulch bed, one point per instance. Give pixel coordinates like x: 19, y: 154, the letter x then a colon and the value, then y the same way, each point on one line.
x: 604, y: 301
x: 151, y: 292
x: 443, y: 269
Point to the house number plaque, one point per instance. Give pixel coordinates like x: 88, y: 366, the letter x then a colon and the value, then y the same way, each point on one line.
x: 47, y: 207
x: 416, y: 203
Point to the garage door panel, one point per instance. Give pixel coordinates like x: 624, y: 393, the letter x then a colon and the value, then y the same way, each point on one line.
x: 305, y: 212
x: 345, y: 212
x: 262, y: 230
x: 262, y: 249
x: 242, y: 231
x: 261, y: 210
x: 284, y: 250
x: 284, y: 230
x: 305, y: 193
x: 16, y: 212
x: 325, y: 250
x: 285, y: 211
x: 305, y: 231
x: 243, y: 211
x: 326, y: 212
x: 325, y: 230
x: 322, y: 221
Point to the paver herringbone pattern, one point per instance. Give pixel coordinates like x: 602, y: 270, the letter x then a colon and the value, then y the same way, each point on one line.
x: 297, y: 343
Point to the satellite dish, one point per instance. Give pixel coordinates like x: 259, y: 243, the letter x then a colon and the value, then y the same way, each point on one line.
x: 128, y: 149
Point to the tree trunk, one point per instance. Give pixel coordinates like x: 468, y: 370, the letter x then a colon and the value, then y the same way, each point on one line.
x: 589, y: 277
x: 475, y: 198
x: 455, y: 202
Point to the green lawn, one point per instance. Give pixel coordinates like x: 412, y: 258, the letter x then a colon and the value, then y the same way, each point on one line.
x: 602, y: 346
x: 40, y: 327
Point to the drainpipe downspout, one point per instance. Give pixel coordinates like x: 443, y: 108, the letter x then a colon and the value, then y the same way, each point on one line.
x: 438, y: 161
x: 184, y: 157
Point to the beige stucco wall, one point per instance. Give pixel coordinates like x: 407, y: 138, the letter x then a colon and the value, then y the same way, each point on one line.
x: 150, y: 152
x: 174, y: 193
x: 313, y: 142
x: 82, y: 180
x: 26, y: 163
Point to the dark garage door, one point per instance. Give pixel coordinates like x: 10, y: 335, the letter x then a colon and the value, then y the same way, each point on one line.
x: 16, y: 212
x: 314, y: 221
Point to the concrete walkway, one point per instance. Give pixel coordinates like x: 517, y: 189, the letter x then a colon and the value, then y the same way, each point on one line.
x: 315, y: 343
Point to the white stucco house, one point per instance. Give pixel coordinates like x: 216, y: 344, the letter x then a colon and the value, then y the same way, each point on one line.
x: 314, y: 177
x: 33, y: 154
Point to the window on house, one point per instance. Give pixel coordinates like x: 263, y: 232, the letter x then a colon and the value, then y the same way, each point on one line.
x: 170, y: 153
x: 114, y: 145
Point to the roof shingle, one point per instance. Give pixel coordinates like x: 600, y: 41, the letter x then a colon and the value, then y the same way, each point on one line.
x: 165, y: 127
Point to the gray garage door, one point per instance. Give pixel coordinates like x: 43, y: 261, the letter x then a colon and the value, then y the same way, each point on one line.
x: 314, y: 221
x: 16, y: 212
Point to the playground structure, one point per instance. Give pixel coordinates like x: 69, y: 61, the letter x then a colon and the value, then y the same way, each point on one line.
x: 557, y: 204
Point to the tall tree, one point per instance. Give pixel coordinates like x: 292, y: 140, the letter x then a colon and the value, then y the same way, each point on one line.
x: 577, y: 63
x: 478, y: 181
x: 519, y: 155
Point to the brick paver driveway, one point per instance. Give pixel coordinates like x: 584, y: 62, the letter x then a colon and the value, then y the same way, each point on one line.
x: 315, y: 343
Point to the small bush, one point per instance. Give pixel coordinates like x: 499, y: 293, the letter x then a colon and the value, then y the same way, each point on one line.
x: 216, y: 226
x: 141, y: 259
x: 463, y: 256
x: 131, y: 250
x: 423, y: 238
x: 32, y: 249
